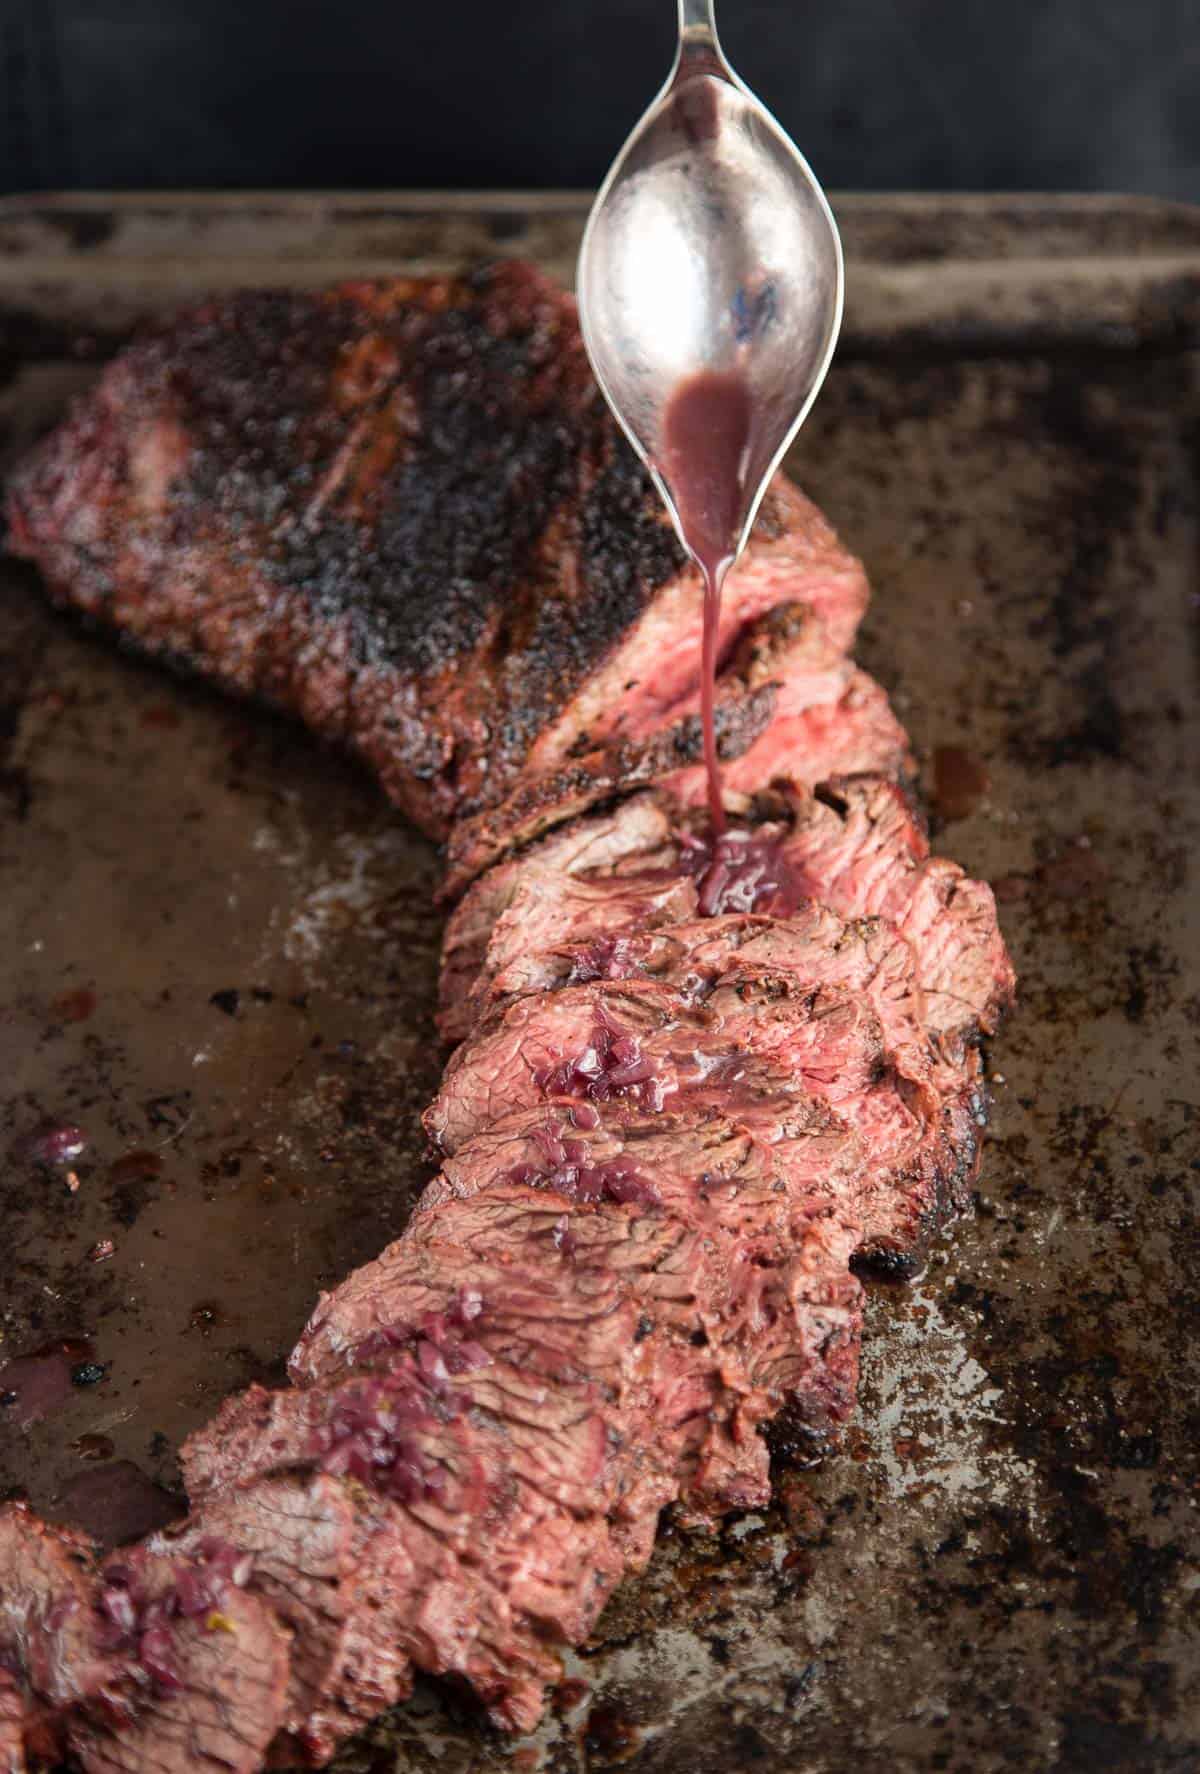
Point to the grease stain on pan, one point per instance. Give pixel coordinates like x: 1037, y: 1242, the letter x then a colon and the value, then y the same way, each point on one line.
x: 933, y: 1413
x: 362, y: 884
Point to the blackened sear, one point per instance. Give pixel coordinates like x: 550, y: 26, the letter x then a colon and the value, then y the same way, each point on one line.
x: 402, y: 511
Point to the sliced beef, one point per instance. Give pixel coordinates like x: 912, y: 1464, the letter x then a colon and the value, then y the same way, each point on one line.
x: 736, y: 1294
x: 767, y: 1108
x: 206, y: 1674
x: 853, y: 732
x: 12, y: 1726
x: 314, y: 1559
x: 773, y: 1208
x: 587, y: 911
x: 50, y: 1643
x: 866, y: 955
x: 582, y: 1270
x: 638, y: 1041
x: 854, y: 844
x: 541, y: 898
x: 402, y: 511
x: 826, y: 1040
x: 441, y: 1452
x: 857, y: 845
x: 636, y: 835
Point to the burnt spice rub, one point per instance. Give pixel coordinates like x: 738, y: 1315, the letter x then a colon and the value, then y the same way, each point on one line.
x: 403, y: 512
x: 701, y: 1080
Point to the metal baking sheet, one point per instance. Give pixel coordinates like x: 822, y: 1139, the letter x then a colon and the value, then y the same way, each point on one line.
x: 219, y: 960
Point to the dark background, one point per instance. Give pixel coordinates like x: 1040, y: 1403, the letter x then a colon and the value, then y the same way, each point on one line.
x: 881, y: 94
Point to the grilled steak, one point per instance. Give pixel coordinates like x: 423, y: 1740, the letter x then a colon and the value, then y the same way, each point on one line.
x: 12, y: 1727
x: 50, y: 1643
x: 205, y: 1674
x: 526, y: 895
x: 403, y: 512
x: 701, y: 1079
x: 314, y: 1559
x: 855, y: 846
x: 639, y: 1042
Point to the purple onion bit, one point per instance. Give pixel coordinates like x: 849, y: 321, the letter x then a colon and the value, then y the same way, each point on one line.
x: 141, y: 1626
x: 564, y: 1166
x: 371, y: 1434
x: 52, y: 1143
x: 611, y: 1065
x: 606, y: 957
x: 450, y: 1351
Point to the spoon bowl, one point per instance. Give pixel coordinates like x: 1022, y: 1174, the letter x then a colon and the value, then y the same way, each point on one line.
x: 710, y: 250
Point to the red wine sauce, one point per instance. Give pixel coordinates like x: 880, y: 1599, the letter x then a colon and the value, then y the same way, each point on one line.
x: 705, y: 431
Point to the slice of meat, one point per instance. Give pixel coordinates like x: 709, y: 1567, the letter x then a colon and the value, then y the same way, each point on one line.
x: 919, y: 1114
x: 767, y: 1108
x: 638, y: 827
x: 858, y: 846
x: 639, y: 1041
x: 854, y: 732
x: 315, y: 1562
x: 551, y: 1311
x: 549, y: 909
x: 736, y: 1295
x: 12, y: 1726
x: 854, y: 844
x: 561, y: 1310
x: 402, y: 511
x: 788, y: 647
x: 773, y: 1207
x: 530, y: 1426
x: 205, y: 1689
x: 784, y: 705
x: 482, y: 1446
x: 865, y: 956
x: 50, y: 1642
x: 538, y: 804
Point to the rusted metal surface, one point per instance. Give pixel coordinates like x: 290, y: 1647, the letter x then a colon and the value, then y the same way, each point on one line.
x: 219, y: 960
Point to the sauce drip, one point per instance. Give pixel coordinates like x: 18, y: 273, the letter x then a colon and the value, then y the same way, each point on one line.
x: 704, y: 461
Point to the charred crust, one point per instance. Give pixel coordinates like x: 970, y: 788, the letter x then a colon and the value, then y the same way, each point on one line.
x: 827, y: 795
x: 882, y: 1259
x: 421, y: 480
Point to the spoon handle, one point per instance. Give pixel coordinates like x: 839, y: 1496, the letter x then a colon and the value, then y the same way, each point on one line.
x: 697, y: 27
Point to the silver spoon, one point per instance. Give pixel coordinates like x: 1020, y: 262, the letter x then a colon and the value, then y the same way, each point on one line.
x: 710, y: 248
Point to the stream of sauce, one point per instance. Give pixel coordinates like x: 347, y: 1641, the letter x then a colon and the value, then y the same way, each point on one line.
x: 706, y: 429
